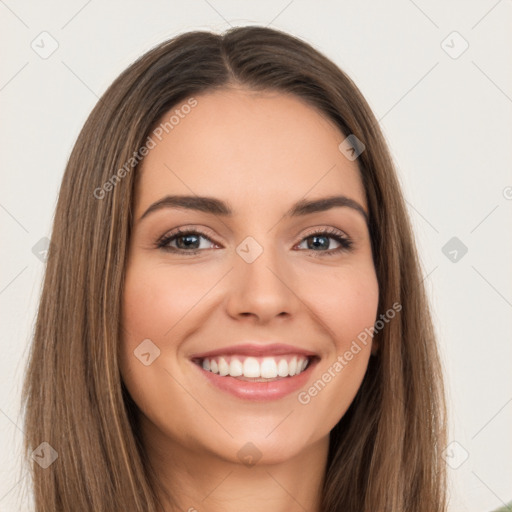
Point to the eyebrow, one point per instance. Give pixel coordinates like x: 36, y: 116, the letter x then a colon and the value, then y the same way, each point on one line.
x: 215, y: 206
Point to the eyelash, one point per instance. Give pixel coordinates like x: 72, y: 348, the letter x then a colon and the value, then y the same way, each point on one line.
x: 344, y: 241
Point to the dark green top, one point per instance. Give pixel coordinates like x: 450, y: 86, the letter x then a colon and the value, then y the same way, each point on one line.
x: 506, y: 508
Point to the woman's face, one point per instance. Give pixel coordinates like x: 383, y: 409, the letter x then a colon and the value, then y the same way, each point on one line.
x: 255, y: 280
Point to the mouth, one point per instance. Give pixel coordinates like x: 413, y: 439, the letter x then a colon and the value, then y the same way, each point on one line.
x: 255, y: 375
x: 255, y: 369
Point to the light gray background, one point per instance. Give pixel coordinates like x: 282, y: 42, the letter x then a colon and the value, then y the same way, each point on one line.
x: 448, y: 123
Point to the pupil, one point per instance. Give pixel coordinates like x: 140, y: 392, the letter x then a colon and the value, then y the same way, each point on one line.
x: 187, y: 243
x: 324, y: 244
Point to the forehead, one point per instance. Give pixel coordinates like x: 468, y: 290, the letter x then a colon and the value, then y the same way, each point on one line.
x: 248, y: 148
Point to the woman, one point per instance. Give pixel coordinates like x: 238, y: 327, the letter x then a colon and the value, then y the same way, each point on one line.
x: 233, y: 313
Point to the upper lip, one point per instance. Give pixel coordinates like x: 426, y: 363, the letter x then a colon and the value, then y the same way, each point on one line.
x: 255, y: 350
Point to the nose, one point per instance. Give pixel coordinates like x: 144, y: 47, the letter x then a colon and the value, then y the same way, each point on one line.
x: 262, y: 289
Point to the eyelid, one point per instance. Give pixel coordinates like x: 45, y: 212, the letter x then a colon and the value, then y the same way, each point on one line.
x: 325, y: 229
x: 186, y: 230
x: 209, y: 234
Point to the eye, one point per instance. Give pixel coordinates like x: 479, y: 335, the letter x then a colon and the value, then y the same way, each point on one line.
x: 186, y: 241
x: 319, y: 241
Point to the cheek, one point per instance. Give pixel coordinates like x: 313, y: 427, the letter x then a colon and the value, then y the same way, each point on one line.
x: 346, y: 303
x: 155, y: 301
x: 155, y: 307
x: 345, y: 300
x: 151, y: 307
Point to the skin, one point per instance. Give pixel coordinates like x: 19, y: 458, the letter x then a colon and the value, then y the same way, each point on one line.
x: 261, y: 153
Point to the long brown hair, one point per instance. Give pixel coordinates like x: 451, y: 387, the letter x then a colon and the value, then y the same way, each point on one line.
x: 384, y: 454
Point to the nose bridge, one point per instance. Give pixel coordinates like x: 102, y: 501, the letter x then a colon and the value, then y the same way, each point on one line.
x: 260, y: 281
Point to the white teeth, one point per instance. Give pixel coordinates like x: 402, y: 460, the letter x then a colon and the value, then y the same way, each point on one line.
x: 268, y: 368
x: 292, y: 366
x: 223, y: 367
x: 252, y: 367
x: 235, y: 368
x: 282, y: 368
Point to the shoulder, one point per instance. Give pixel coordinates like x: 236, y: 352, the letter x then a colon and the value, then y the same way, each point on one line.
x: 505, y: 508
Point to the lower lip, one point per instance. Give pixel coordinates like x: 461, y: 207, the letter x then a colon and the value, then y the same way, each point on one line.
x: 259, y: 391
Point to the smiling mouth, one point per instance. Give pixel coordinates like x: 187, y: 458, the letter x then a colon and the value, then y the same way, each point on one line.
x: 256, y: 369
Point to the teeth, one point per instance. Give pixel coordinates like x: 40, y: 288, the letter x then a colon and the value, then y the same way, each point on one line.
x: 235, y: 368
x: 268, y: 368
x: 252, y: 367
x: 292, y: 366
x: 223, y: 367
x: 282, y: 368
